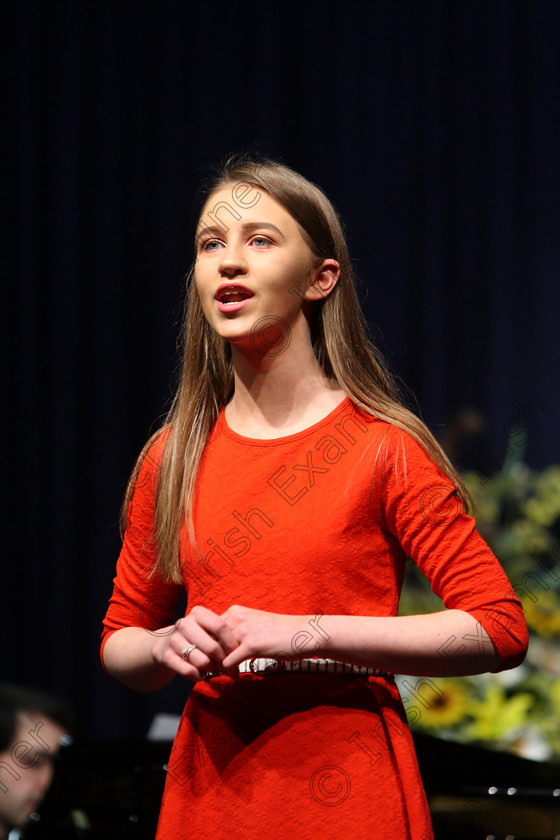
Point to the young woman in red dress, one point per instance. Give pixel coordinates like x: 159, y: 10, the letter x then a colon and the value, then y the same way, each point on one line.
x: 284, y: 493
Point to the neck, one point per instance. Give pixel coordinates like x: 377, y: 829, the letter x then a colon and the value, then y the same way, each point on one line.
x: 280, y: 392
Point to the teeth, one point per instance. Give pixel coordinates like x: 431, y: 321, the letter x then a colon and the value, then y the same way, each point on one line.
x: 233, y: 296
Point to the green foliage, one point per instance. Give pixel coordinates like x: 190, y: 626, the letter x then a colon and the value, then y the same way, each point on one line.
x: 518, y: 514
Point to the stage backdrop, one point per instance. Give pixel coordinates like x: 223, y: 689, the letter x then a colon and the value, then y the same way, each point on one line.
x: 433, y: 126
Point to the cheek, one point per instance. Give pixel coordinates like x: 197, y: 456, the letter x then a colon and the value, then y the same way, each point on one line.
x: 27, y: 785
x: 295, y: 280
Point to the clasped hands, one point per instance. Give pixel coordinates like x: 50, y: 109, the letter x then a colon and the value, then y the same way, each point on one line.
x: 222, y: 642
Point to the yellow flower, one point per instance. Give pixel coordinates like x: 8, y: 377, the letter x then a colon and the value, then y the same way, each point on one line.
x: 448, y: 709
x: 496, y: 716
x: 543, y: 615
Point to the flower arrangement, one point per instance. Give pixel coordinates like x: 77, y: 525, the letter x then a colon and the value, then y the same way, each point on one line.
x: 518, y: 513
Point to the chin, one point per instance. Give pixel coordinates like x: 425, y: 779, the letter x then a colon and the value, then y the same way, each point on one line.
x: 237, y: 338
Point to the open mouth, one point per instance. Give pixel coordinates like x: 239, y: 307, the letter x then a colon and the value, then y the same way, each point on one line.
x: 231, y: 295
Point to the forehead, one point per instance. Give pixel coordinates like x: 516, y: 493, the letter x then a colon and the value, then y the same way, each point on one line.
x: 39, y: 731
x: 237, y: 203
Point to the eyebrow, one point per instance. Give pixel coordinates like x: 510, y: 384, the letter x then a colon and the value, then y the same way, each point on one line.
x: 246, y: 227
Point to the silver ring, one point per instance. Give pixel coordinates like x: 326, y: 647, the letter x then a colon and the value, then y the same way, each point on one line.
x: 186, y: 651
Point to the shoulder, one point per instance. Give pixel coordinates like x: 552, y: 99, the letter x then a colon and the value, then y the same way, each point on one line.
x: 143, y: 481
x: 393, y: 446
x: 151, y: 456
x: 404, y: 475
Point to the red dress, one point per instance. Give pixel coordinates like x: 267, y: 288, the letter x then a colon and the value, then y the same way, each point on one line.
x: 318, y: 522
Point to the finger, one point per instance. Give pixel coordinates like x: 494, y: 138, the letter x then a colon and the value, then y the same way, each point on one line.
x: 216, y: 625
x: 176, y: 660
x: 198, y: 665
x: 209, y: 632
x: 232, y: 661
x: 204, y: 655
x: 196, y: 661
x: 209, y: 653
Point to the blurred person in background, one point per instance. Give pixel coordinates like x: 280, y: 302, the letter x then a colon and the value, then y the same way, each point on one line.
x: 33, y: 727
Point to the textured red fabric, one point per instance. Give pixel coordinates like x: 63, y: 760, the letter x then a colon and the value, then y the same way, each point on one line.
x: 318, y: 522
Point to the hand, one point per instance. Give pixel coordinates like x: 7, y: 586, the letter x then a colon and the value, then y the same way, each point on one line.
x: 263, y: 634
x: 210, y: 633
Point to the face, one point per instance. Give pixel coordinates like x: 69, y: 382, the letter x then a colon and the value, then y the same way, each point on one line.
x: 253, y: 264
x: 27, y: 769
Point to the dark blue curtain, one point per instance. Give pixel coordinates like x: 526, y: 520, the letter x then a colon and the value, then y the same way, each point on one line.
x: 434, y: 127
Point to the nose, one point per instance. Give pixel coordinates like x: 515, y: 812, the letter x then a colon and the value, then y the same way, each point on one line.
x: 232, y: 262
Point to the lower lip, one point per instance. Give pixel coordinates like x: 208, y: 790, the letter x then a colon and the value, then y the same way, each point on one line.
x: 232, y: 307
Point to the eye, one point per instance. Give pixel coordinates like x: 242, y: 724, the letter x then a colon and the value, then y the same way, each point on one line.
x: 209, y: 245
x: 260, y: 241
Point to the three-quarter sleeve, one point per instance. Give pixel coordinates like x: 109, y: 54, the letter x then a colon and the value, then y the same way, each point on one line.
x: 422, y: 509
x: 141, y: 598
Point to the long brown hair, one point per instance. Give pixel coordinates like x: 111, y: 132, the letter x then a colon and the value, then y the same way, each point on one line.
x: 340, y: 343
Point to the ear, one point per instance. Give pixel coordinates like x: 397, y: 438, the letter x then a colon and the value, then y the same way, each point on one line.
x: 323, y: 280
